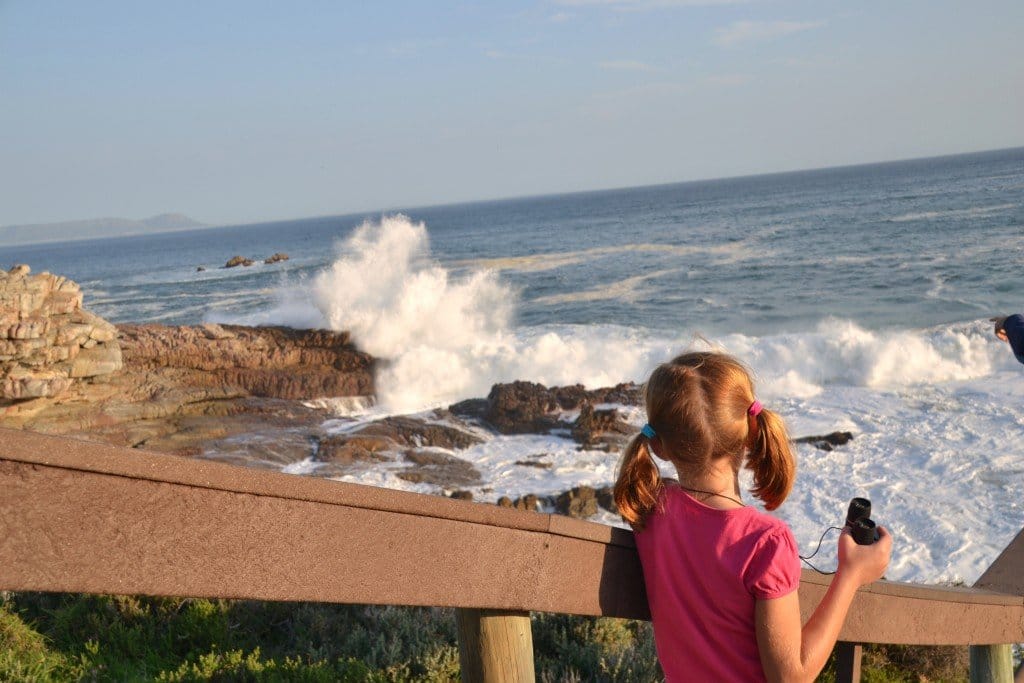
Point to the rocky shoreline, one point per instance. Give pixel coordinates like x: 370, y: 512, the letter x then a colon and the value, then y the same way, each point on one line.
x: 247, y: 395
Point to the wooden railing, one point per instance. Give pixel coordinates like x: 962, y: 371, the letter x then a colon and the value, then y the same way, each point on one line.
x: 77, y: 516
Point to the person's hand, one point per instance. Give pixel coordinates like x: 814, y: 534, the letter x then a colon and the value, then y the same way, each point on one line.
x: 864, y: 563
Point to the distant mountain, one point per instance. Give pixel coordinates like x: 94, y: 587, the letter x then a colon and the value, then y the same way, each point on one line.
x: 95, y: 227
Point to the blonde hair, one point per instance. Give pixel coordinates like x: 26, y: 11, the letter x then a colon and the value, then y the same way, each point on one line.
x: 698, y: 405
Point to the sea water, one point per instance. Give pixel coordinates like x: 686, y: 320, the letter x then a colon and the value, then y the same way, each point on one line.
x: 858, y: 296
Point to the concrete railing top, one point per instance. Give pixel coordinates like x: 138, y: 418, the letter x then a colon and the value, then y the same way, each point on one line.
x: 77, y: 516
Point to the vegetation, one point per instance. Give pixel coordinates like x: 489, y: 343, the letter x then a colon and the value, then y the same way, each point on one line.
x: 57, y: 637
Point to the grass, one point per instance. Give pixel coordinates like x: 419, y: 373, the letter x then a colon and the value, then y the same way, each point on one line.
x: 64, y: 637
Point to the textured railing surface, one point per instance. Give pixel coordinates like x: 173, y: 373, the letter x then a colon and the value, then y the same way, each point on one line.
x: 77, y: 516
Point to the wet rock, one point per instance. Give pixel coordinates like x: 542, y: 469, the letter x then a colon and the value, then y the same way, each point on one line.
x: 573, y: 397
x: 439, y: 469
x: 472, y: 408
x: 200, y: 269
x: 580, y: 502
x: 528, y: 502
x: 236, y: 261
x: 345, y: 450
x: 601, y: 428
x: 828, y: 441
x: 276, y: 258
x: 461, y: 495
x: 606, y: 499
x: 412, y: 431
x: 521, y: 408
x: 534, y: 463
x: 531, y: 408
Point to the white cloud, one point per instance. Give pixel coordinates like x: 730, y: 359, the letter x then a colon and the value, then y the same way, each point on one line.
x: 741, y: 32
x: 626, y: 65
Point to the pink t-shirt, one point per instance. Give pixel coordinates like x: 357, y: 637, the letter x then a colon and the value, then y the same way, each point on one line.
x: 704, y: 568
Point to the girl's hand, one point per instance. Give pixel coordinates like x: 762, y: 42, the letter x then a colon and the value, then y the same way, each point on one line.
x: 864, y: 563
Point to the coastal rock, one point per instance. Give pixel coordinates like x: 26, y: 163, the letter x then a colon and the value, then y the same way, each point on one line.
x: 236, y: 261
x: 414, y: 437
x: 606, y: 499
x: 600, y: 429
x: 528, y: 502
x: 828, y: 441
x: 276, y: 258
x: 273, y: 362
x: 345, y: 450
x: 179, y: 389
x: 46, y: 339
x: 580, y: 502
x: 574, y: 396
x: 438, y: 468
x: 531, y: 408
x: 521, y: 408
x: 411, y: 431
x: 472, y: 408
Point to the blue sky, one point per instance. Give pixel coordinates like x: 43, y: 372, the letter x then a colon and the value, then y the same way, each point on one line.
x: 237, y: 112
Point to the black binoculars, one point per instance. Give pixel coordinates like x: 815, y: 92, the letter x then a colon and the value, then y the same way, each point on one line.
x: 862, y: 529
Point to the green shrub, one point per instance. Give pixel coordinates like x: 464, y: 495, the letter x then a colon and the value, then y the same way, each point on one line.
x: 48, y: 637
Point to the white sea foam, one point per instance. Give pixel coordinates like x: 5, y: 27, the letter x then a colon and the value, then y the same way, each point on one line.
x: 934, y: 411
x: 719, y: 254
x: 629, y: 290
x: 972, y: 212
x: 443, y: 339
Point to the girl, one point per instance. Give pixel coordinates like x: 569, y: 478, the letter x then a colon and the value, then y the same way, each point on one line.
x: 721, y: 576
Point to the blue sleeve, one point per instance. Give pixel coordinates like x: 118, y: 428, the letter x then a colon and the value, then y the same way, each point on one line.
x: 1014, y: 327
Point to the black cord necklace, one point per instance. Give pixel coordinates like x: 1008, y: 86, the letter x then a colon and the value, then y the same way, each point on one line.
x: 712, y: 493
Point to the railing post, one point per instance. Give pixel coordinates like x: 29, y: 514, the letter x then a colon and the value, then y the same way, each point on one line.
x: 848, y: 656
x: 495, y: 646
x: 991, y: 664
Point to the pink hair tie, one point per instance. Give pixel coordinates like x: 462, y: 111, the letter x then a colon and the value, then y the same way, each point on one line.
x: 755, y: 409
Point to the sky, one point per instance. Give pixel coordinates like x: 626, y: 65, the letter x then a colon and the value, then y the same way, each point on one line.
x: 237, y: 111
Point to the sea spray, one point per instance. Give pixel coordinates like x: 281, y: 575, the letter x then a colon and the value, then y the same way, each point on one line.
x: 443, y: 338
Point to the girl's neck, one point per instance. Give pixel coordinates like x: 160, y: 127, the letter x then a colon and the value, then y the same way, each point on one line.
x: 716, y: 486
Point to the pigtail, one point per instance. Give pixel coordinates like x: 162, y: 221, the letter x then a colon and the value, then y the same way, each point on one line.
x: 639, y: 483
x: 771, y: 460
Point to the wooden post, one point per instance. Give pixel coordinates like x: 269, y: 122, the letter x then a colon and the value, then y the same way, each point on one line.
x: 991, y: 664
x: 848, y: 656
x: 495, y: 646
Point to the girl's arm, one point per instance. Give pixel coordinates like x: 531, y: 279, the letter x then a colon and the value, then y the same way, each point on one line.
x: 791, y: 653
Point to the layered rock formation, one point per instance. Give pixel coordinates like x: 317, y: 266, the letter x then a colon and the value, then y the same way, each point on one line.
x: 65, y: 370
x: 47, y: 340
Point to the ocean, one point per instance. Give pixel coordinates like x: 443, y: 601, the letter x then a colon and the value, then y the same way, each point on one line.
x: 858, y: 296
